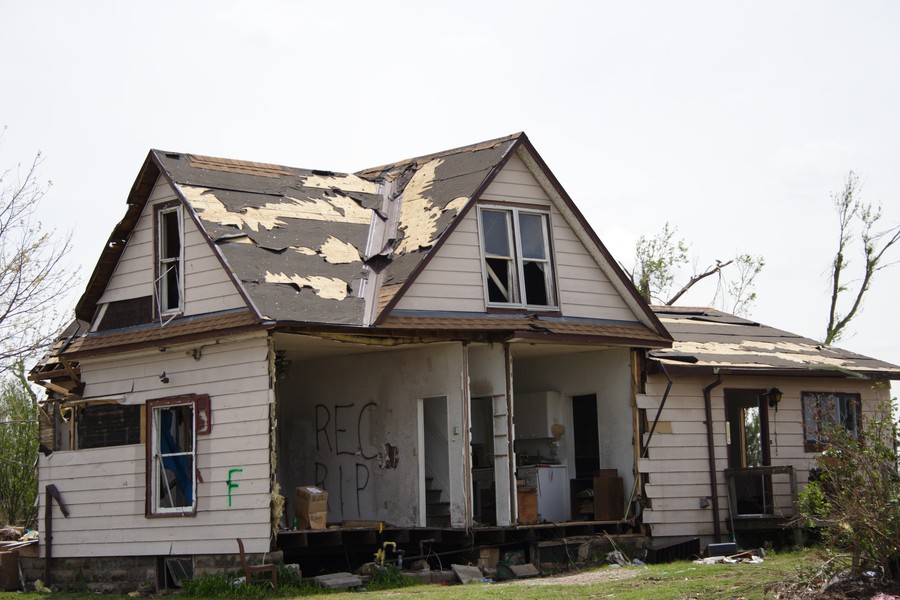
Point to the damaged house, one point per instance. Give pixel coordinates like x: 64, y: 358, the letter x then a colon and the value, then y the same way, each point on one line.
x: 442, y: 344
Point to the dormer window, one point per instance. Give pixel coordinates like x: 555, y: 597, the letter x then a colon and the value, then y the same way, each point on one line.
x: 169, y: 252
x: 518, y: 270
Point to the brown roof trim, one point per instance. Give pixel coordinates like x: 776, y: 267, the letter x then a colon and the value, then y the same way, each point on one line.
x: 676, y: 369
x: 473, y: 199
x: 164, y: 342
x: 209, y: 242
x: 115, y: 245
x: 652, y: 318
x: 538, y: 336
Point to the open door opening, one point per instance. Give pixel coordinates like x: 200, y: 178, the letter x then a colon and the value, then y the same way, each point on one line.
x: 747, y: 435
x: 435, y: 466
x: 484, y: 504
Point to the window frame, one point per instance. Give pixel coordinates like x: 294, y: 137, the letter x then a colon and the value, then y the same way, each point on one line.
x: 848, y: 398
x: 160, y: 282
x: 152, y: 471
x: 518, y: 261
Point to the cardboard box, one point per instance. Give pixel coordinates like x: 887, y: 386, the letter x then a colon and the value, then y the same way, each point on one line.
x: 311, y: 507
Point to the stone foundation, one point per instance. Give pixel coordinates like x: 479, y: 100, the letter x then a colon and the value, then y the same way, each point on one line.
x: 123, y: 574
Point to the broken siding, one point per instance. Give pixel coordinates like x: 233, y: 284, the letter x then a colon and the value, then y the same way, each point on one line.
x: 207, y: 285
x: 678, y: 463
x: 104, y: 488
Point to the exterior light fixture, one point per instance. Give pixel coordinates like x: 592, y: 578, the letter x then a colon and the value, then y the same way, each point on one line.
x: 774, y: 397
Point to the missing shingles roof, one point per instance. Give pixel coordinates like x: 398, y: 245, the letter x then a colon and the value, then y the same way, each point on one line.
x: 229, y: 165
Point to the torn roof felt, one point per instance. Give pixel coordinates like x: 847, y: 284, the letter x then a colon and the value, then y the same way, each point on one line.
x: 298, y: 239
x: 707, y: 339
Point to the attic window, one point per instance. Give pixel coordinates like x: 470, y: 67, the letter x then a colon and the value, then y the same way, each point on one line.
x: 169, y: 271
x: 518, y: 269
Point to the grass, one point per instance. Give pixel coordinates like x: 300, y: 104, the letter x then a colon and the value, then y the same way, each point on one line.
x: 679, y: 580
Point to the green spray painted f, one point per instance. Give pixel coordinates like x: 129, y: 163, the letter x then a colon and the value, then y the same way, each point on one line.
x: 232, y: 485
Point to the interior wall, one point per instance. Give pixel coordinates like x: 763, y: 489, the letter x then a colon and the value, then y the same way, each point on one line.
x: 606, y: 373
x: 350, y: 425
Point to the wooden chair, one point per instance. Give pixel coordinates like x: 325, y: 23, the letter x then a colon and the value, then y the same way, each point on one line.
x: 249, y: 569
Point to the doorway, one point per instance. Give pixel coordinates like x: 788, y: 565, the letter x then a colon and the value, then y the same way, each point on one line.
x: 434, y: 464
x: 484, y: 504
x: 747, y: 436
x: 585, y: 435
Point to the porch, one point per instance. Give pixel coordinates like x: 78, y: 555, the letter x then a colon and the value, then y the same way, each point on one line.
x: 774, y: 500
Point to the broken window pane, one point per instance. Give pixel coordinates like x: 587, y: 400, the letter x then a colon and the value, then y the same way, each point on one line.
x: 169, y: 266
x: 535, y: 284
x: 823, y: 410
x: 173, y: 457
x: 517, y: 259
x: 498, y: 279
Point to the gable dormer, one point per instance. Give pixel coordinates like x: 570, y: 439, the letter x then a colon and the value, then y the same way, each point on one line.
x: 524, y: 247
x: 166, y: 269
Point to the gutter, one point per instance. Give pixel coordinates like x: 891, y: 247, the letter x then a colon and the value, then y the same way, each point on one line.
x: 711, y: 451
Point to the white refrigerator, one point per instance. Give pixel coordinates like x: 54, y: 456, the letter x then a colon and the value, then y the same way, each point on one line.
x: 551, y: 484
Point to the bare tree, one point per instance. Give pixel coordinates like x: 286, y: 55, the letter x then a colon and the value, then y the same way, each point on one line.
x: 31, y: 271
x: 853, y: 214
x: 659, y: 258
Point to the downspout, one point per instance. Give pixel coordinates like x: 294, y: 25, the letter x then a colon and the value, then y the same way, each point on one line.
x: 711, y: 451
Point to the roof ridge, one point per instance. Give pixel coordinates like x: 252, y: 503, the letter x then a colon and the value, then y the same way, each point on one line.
x: 458, y: 150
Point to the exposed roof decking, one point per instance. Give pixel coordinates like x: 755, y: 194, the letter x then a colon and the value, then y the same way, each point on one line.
x: 720, y: 340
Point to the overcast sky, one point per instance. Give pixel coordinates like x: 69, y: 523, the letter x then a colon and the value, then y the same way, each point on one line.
x: 734, y: 121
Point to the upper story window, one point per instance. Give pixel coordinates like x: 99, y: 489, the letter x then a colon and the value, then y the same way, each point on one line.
x: 170, y: 258
x: 518, y: 268
x: 824, y: 410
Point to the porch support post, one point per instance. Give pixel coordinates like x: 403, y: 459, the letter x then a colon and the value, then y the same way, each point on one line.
x: 510, y: 437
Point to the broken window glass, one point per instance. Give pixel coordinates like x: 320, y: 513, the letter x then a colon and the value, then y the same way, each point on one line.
x: 517, y: 263
x: 169, y: 268
x: 498, y: 256
x: 824, y: 410
x: 172, y: 456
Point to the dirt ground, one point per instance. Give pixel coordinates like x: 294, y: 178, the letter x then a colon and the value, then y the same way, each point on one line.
x: 583, y: 578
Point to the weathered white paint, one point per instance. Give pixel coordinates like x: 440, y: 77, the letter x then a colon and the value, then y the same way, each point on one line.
x: 104, y: 488
x: 454, y: 280
x: 337, y: 415
x: 678, y: 463
x: 606, y: 373
x: 208, y: 288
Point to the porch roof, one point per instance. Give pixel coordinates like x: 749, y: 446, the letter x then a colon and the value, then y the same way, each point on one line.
x: 708, y: 339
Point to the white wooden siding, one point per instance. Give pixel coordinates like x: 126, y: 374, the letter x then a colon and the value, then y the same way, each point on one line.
x: 104, y: 488
x: 453, y: 279
x: 678, y: 463
x: 208, y: 287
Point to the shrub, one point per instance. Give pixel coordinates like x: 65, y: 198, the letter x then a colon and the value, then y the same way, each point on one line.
x: 855, y: 495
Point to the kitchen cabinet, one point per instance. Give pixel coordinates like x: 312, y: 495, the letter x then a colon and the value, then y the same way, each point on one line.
x: 535, y: 414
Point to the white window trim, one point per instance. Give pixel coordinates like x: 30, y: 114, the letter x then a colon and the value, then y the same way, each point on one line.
x: 155, y: 410
x: 518, y: 260
x: 161, y: 263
